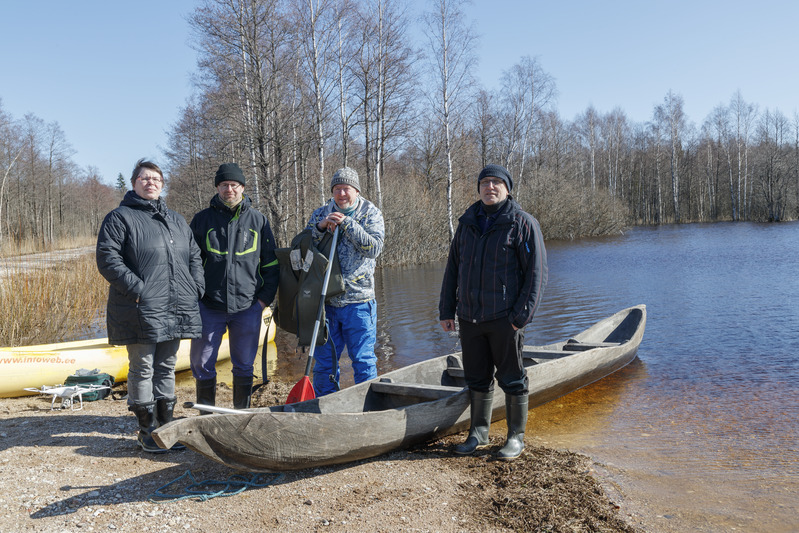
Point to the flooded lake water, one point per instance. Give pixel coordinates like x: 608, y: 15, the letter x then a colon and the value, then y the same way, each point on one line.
x: 701, y: 431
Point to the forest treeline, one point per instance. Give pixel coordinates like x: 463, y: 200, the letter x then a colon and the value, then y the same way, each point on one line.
x: 294, y: 89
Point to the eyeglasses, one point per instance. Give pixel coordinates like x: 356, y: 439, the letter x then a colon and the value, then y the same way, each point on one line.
x: 230, y: 185
x: 150, y: 180
x: 485, y: 182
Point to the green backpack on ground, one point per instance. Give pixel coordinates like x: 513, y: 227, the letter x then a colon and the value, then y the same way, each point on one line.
x: 86, y: 378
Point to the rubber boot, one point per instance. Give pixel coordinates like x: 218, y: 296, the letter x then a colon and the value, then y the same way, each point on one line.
x: 516, y: 410
x: 206, y: 392
x: 145, y: 413
x: 164, y: 409
x: 480, y: 409
x: 242, y: 391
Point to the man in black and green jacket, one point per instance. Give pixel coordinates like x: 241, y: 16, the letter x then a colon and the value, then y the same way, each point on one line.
x: 241, y: 279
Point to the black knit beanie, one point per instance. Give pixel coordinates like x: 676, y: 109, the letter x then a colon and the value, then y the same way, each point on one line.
x: 496, y: 171
x: 228, y: 172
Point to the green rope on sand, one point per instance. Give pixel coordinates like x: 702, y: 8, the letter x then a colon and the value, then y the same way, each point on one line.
x: 205, y: 490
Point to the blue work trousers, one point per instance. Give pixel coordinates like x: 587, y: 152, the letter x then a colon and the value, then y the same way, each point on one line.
x: 243, y: 329
x: 353, y: 326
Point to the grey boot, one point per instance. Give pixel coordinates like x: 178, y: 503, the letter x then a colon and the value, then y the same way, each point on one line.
x: 242, y: 390
x: 516, y: 409
x: 145, y: 413
x: 206, y: 392
x: 480, y: 409
x: 164, y: 408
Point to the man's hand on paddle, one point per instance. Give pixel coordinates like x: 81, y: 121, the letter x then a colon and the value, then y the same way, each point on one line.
x: 331, y: 221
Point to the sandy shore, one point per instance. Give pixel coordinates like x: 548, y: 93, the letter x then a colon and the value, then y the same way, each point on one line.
x: 70, y: 470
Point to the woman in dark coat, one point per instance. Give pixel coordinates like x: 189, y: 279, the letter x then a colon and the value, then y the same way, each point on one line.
x: 148, y: 255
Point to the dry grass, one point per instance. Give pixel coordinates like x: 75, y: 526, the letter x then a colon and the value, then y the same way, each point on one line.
x: 10, y: 248
x: 44, y: 303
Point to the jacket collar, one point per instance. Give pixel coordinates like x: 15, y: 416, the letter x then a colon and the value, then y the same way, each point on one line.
x: 331, y: 206
x: 135, y: 201
x: 219, y: 205
x: 503, y: 216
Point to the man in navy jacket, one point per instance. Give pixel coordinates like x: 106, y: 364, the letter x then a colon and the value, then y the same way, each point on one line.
x: 493, y: 282
x: 241, y: 278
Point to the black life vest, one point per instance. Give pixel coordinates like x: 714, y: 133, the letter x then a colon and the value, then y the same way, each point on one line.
x: 302, y: 274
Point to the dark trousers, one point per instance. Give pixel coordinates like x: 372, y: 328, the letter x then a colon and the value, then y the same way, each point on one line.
x: 244, y: 331
x: 493, y: 345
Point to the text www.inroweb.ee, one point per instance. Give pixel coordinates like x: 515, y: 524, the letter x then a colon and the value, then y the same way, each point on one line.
x: 29, y: 359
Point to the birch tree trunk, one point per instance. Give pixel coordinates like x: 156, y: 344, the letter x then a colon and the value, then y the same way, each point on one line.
x: 451, y: 48
x: 3, y: 191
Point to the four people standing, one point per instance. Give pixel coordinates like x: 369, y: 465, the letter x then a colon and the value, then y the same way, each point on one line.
x: 494, y: 279
x: 148, y: 255
x: 241, y: 278
x: 493, y: 282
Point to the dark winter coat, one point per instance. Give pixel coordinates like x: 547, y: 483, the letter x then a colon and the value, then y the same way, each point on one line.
x: 238, y: 254
x: 148, y: 255
x: 499, y: 273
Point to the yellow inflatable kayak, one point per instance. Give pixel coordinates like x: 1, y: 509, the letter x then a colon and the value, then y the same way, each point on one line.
x: 50, y: 364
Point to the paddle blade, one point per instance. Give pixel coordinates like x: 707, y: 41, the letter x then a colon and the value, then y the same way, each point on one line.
x: 302, y: 391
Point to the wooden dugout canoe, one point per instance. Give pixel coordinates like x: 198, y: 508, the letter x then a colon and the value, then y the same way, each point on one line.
x: 420, y: 402
x: 50, y: 364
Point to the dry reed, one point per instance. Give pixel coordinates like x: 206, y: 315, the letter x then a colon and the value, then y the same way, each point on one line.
x: 12, y: 248
x: 45, y: 302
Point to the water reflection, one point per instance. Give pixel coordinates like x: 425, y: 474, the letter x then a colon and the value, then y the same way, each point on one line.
x: 704, y: 426
x: 586, y: 415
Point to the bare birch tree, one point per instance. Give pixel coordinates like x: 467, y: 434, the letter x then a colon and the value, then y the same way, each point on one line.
x: 452, y: 55
x: 59, y: 154
x: 10, y: 150
x: 745, y: 115
x: 483, y: 121
x: 716, y: 133
x: 772, y: 163
x: 671, y: 114
x: 317, y: 29
x: 795, y: 124
x: 386, y: 84
x: 347, y: 55
x: 587, y: 125
x: 527, y: 91
x: 614, y: 132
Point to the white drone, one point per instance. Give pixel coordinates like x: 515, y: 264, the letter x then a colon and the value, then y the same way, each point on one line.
x: 68, y: 394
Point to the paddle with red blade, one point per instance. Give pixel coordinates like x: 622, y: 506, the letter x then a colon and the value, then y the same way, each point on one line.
x: 303, y: 390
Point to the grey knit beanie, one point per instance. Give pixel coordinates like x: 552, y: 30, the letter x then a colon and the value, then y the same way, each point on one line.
x: 345, y: 176
x: 496, y: 171
x: 228, y: 172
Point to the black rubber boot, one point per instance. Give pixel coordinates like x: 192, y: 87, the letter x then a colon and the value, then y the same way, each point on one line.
x: 516, y: 410
x: 480, y: 409
x: 242, y: 391
x: 145, y: 413
x: 164, y: 409
x: 206, y: 392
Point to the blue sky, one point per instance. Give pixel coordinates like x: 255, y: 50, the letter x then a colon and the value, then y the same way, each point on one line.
x: 115, y: 74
